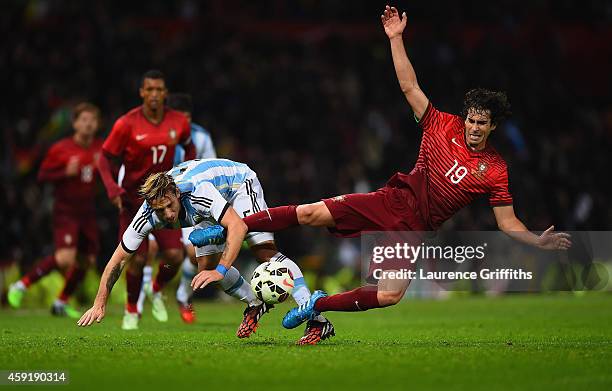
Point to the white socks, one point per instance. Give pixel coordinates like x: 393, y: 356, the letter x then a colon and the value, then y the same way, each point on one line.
x: 147, y: 274
x: 184, y: 291
x: 300, y: 291
x: 234, y: 285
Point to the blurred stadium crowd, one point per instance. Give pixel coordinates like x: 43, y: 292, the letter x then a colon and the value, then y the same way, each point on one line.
x: 305, y: 93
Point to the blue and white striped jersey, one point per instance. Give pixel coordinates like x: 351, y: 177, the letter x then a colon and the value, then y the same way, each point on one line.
x: 207, y: 187
x: 202, y: 141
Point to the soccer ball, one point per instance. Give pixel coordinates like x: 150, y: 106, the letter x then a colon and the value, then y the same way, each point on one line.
x: 272, y: 282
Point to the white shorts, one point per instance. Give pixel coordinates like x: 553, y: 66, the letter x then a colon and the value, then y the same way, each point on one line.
x: 185, y: 239
x: 249, y: 199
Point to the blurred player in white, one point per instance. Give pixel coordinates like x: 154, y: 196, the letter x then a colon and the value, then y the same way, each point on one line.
x: 204, y: 193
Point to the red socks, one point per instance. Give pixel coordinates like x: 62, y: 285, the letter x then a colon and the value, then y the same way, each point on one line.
x: 134, y: 283
x: 41, y: 269
x: 165, y: 274
x: 360, y: 299
x: 272, y: 219
x: 74, y: 277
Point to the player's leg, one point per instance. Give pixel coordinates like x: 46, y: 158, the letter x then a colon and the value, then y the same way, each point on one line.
x: 344, y: 216
x: 276, y: 219
x: 133, y: 279
x: 133, y: 272
x: 169, y: 241
x: 65, y: 231
x: 189, y: 269
x: 386, y: 293
x: 147, y: 274
x: 317, y: 329
x: 171, y: 247
x: 233, y: 283
x: 267, y: 251
x: 250, y: 199
x: 236, y: 286
x: 73, y: 279
x: 87, y: 248
x: 74, y: 274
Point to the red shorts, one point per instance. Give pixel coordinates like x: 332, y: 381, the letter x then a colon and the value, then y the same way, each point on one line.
x: 80, y: 231
x: 167, y: 239
x: 387, y: 209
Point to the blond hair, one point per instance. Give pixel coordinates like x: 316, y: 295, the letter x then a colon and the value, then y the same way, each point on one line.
x: 157, y: 186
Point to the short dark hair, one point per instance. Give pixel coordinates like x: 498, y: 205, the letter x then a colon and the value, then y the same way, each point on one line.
x: 83, y: 107
x: 481, y: 99
x: 180, y: 102
x: 152, y: 74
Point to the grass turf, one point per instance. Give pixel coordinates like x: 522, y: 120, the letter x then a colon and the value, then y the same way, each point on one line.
x: 512, y: 342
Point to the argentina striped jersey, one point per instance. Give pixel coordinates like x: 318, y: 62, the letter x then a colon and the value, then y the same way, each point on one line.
x: 207, y: 188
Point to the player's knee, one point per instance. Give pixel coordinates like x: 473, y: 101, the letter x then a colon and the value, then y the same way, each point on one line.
x: 174, y: 255
x: 136, y: 264
x: 65, y: 257
x: 387, y: 298
x: 153, y: 249
x: 263, y: 252
x: 306, y: 214
x: 316, y: 215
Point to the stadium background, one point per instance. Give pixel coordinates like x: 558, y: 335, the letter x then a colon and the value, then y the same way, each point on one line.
x: 305, y: 93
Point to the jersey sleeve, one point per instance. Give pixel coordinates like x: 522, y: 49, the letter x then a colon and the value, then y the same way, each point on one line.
x: 208, y: 202
x: 117, y: 139
x: 500, y: 194
x: 140, y: 227
x: 434, y: 120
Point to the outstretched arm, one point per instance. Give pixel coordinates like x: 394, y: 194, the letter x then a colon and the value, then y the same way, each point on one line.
x: 236, y: 231
x: 111, y: 274
x: 394, y: 27
x: 513, y: 227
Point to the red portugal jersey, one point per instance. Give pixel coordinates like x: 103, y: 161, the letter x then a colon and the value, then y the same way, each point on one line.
x: 146, y: 148
x: 448, y: 175
x: 73, y: 194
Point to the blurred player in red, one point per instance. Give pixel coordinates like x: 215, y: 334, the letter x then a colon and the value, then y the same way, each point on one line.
x: 204, y: 149
x: 455, y: 165
x: 70, y: 164
x: 144, y: 141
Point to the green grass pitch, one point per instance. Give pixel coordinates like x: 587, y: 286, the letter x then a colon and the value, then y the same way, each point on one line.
x: 517, y: 342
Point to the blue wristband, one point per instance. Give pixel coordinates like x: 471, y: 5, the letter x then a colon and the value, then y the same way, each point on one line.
x: 221, y: 269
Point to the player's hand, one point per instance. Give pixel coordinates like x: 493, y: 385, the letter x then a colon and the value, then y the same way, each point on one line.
x: 95, y: 313
x: 393, y: 24
x: 550, y: 240
x: 204, y: 278
x: 117, y: 202
x: 72, y: 167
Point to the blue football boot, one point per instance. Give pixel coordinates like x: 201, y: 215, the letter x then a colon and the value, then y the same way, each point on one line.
x: 298, y: 315
x: 207, y: 236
